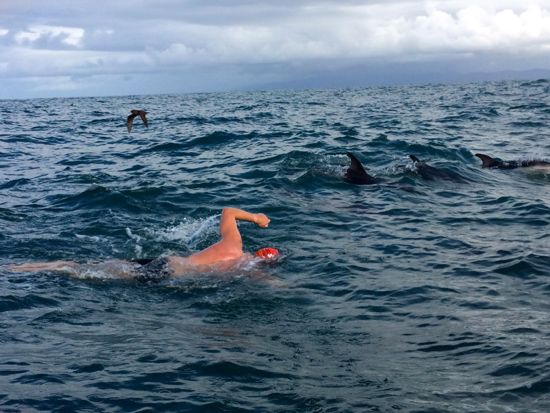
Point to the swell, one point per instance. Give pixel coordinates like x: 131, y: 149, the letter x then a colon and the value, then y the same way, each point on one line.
x: 15, y: 303
x: 411, y: 293
x: 100, y: 197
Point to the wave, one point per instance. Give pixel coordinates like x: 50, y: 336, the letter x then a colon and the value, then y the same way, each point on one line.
x: 412, y: 293
x: 15, y: 183
x: 27, y: 301
x: 100, y: 197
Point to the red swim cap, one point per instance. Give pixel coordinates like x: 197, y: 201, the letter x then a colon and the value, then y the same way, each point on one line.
x: 267, y: 253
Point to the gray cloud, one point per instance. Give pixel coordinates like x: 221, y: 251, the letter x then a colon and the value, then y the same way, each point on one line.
x: 46, y: 44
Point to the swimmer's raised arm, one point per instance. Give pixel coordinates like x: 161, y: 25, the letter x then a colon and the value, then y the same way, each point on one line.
x: 230, y: 216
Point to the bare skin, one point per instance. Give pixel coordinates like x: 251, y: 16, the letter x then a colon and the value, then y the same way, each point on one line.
x: 227, y: 250
x: 223, y: 255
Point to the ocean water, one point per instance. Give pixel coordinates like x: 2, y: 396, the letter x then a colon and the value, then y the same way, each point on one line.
x: 411, y: 295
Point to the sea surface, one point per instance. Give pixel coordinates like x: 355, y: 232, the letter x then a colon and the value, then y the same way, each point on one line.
x: 416, y: 294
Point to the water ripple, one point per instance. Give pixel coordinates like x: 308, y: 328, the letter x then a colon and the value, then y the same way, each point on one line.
x: 419, y: 293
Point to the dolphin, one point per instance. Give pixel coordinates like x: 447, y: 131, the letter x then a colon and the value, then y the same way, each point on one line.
x: 135, y: 113
x: 356, y: 173
x: 489, y: 162
x: 429, y: 172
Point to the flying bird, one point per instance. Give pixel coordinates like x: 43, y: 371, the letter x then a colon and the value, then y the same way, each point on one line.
x: 131, y: 117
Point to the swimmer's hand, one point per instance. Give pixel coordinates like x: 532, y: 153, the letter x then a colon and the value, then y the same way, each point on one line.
x: 261, y: 220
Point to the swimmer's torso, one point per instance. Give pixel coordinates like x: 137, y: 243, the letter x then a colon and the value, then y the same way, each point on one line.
x: 180, y: 266
x: 146, y: 270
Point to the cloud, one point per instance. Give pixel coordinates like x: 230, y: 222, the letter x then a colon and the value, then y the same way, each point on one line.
x: 35, y: 62
x: 166, y: 37
x: 69, y: 36
x: 362, y: 32
x: 474, y: 29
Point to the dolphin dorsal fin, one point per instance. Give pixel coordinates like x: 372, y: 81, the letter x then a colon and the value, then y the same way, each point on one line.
x: 356, y: 172
x: 414, y: 158
x: 488, y: 162
x: 356, y: 165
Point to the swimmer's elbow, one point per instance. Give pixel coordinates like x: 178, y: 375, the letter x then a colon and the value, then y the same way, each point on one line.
x: 229, y: 211
x: 228, y: 214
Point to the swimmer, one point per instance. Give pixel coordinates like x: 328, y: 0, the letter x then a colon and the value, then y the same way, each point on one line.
x: 224, y: 255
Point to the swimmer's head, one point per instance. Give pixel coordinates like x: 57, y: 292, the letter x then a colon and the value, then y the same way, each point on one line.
x: 267, y: 253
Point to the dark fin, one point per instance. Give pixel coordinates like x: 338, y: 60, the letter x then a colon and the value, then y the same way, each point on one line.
x: 488, y: 162
x: 356, y: 164
x: 356, y: 173
x: 414, y: 158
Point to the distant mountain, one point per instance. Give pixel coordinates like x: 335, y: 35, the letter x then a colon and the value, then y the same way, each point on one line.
x: 360, y: 76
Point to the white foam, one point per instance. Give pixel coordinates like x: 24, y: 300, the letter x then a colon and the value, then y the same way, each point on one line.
x: 133, y: 236
x: 95, y: 274
x: 189, y: 231
x: 93, y: 238
x: 538, y: 168
x: 111, y: 269
x: 137, y: 248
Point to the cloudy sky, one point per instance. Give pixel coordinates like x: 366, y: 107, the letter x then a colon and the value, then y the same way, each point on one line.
x: 121, y: 47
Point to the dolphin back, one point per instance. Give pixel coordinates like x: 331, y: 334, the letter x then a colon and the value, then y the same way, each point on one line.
x: 431, y: 172
x: 489, y: 162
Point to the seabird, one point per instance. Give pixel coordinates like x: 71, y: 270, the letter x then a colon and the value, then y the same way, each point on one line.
x: 131, y: 117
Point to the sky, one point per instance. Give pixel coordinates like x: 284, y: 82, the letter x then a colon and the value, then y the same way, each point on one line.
x: 122, y: 47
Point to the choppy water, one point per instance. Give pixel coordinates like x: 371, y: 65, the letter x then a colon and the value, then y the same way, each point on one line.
x: 413, y: 295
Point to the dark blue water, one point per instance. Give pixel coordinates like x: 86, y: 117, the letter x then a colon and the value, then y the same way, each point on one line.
x: 413, y: 295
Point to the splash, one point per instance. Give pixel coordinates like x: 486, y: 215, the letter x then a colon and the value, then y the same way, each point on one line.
x: 138, y: 248
x: 190, y: 231
x: 107, y: 270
